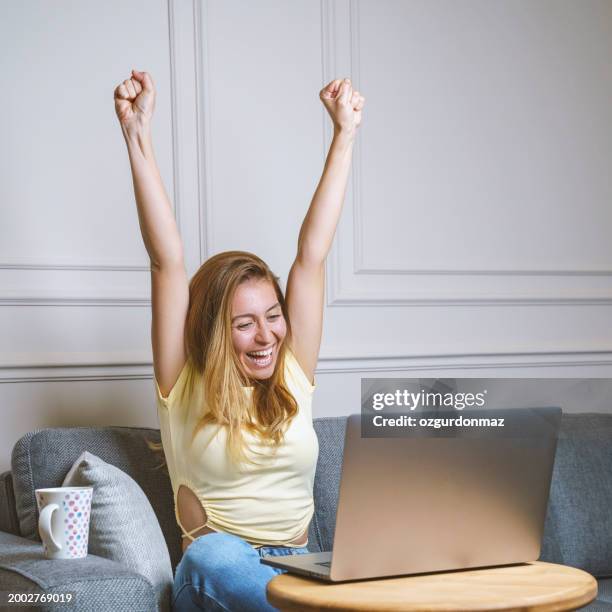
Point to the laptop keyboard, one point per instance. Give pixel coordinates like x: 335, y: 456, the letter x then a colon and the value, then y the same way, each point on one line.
x: 324, y: 563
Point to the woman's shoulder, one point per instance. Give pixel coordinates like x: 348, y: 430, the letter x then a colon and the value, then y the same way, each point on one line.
x: 177, y: 390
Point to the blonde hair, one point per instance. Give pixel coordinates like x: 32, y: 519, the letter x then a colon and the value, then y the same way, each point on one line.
x: 214, y: 366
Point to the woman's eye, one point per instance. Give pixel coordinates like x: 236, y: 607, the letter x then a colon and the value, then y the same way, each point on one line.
x: 244, y: 326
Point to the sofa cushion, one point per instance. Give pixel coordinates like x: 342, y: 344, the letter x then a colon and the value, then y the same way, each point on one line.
x: 123, y: 526
x: 42, y: 459
x: 330, y: 432
x: 579, y: 519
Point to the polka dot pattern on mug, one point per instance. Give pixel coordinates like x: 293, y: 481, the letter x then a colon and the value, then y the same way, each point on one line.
x: 76, y: 506
x: 67, y: 523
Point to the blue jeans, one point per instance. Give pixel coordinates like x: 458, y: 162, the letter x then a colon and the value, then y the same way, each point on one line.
x: 221, y: 572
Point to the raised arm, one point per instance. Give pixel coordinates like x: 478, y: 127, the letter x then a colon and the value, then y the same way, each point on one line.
x: 134, y: 105
x: 306, y: 282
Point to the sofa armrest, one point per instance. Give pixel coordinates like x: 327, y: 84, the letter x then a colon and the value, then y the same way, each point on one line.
x: 8, y: 514
x: 97, y: 584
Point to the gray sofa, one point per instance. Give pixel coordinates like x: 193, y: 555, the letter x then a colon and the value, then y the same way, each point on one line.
x: 578, y: 529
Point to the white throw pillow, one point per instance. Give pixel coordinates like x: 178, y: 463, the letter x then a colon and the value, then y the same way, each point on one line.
x: 123, y: 526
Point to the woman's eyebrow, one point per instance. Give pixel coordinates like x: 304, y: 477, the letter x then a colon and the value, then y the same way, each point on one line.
x: 249, y: 314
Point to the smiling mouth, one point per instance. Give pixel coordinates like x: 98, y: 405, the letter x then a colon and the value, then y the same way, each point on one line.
x: 261, y: 359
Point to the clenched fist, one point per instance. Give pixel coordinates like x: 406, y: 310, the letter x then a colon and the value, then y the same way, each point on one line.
x: 343, y: 104
x: 135, y: 100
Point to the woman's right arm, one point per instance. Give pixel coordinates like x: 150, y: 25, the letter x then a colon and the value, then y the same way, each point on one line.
x: 134, y: 105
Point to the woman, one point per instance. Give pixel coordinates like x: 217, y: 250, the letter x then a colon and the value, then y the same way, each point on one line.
x: 234, y: 364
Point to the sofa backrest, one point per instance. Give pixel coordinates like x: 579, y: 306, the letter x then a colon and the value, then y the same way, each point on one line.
x: 578, y: 528
x: 42, y: 459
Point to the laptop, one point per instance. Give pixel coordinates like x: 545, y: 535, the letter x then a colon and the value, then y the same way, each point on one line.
x: 440, y: 501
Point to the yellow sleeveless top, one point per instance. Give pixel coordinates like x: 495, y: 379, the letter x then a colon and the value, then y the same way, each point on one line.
x: 267, y: 504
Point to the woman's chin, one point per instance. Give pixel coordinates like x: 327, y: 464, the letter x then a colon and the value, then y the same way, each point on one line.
x: 262, y: 374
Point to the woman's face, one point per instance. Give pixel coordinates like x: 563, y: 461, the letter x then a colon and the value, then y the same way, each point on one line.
x: 258, y: 326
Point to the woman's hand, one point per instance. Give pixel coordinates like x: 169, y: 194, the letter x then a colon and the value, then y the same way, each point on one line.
x: 343, y: 105
x: 135, y: 100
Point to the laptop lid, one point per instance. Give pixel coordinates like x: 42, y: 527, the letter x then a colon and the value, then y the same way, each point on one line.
x: 444, y: 500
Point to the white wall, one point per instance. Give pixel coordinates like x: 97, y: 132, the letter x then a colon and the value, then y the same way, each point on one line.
x: 474, y: 240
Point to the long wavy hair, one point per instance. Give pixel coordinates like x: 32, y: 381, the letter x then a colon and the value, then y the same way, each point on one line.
x: 214, y: 366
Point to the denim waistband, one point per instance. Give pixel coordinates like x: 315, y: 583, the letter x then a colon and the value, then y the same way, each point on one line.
x: 279, y: 551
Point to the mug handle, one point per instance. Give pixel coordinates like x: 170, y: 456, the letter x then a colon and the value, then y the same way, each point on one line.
x: 44, y: 527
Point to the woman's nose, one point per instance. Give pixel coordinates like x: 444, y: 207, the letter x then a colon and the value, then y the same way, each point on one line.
x: 264, y: 334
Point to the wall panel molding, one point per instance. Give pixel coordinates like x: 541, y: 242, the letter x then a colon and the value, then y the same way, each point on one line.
x: 352, y: 282
x: 72, y: 289
x: 54, y: 368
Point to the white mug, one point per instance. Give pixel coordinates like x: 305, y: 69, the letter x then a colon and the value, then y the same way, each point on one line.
x: 63, y: 523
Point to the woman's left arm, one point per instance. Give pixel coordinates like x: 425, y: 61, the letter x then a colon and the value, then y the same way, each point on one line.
x: 306, y: 282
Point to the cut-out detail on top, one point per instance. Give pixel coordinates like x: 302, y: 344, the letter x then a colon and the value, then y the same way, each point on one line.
x: 188, y: 534
x: 187, y: 502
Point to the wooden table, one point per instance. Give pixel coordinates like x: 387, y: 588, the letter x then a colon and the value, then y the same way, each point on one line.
x: 531, y: 586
